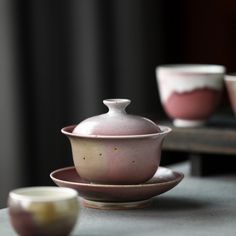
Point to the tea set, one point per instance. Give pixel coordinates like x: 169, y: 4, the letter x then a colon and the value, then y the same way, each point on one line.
x: 116, y: 159
x: 117, y: 155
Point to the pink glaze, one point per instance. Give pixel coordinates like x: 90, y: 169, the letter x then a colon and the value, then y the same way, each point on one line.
x: 130, y: 159
x: 116, y: 147
x: 230, y: 82
x: 195, y: 105
x: 163, y: 180
x: 190, y: 93
x: 118, y: 160
x: 116, y: 122
x: 43, y: 210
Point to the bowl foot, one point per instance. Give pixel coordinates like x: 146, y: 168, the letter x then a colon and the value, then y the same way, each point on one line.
x: 116, y: 205
x: 188, y: 123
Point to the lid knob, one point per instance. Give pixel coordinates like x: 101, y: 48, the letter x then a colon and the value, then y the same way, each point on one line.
x: 116, y: 122
x: 116, y: 105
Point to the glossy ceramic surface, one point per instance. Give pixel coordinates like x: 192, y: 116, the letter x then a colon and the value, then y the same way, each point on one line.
x: 116, y: 122
x: 44, y: 211
x: 115, y: 147
x: 190, y: 93
x: 230, y: 82
x: 127, y: 159
x: 117, y: 196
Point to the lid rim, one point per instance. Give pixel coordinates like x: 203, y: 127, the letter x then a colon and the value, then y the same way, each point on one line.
x: 164, y: 130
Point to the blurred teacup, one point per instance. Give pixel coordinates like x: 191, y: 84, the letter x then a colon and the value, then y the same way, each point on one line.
x: 230, y: 83
x: 44, y: 211
x: 190, y: 93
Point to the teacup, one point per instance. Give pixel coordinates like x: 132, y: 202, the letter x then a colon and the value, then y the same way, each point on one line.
x: 230, y: 83
x: 190, y: 93
x: 43, y: 211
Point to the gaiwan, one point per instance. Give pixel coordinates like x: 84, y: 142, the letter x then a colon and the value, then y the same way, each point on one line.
x: 116, y: 147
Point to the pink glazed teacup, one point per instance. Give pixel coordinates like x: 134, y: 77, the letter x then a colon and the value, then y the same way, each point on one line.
x: 43, y: 210
x: 230, y: 83
x: 116, y: 147
x: 190, y: 93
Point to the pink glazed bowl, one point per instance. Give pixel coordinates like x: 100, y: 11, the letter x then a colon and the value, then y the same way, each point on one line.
x: 190, y: 93
x: 116, y: 147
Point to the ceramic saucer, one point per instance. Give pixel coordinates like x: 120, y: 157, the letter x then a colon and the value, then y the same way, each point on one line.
x: 104, y: 196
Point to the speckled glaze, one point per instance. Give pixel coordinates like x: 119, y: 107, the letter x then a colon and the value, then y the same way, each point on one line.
x: 116, y: 148
x: 105, y: 196
x: 43, y: 211
x: 230, y: 82
x: 190, y: 93
x: 126, y: 159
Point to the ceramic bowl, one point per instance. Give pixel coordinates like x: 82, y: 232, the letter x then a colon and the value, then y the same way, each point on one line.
x: 130, y: 159
x: 44, y: 211
x: 116, y: 148
x: 190, y: 93
x: 230, y: 83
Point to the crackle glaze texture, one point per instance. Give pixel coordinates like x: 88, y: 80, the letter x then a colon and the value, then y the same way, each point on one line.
x: 190, y: 92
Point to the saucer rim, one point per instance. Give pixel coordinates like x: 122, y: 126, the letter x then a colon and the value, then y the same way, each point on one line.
x: 177, y: 179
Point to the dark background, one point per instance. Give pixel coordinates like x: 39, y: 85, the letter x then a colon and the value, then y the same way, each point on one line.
x: 60, y: 59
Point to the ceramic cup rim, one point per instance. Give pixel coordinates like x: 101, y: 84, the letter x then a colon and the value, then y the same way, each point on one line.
x: 230, y: 77
x: 67, y: 130
x: 192, y: 68
x: 57, y: 194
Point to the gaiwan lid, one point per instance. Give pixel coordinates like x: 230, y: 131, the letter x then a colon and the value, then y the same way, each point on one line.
x: 116, y: 122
